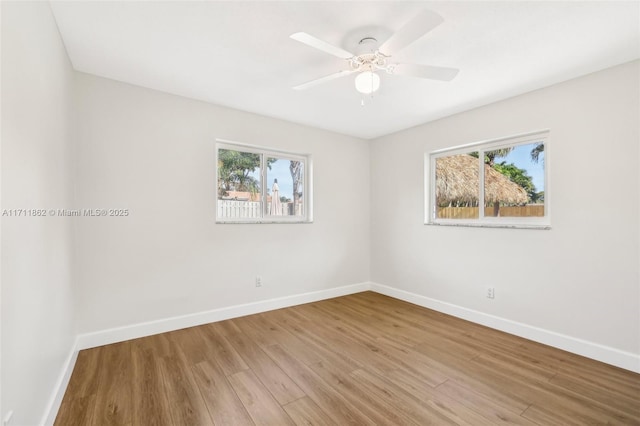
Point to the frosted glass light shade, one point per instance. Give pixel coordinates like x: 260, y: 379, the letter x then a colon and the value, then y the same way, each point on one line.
x: 367, y: 82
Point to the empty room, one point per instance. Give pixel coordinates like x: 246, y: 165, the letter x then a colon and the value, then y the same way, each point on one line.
x: 320, y: 213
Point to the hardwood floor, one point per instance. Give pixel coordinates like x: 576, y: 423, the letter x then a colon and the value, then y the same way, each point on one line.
x: 363, y: 359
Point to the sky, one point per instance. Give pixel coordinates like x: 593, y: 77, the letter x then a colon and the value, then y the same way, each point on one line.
x: 279, y: 170
x: 520, y: 156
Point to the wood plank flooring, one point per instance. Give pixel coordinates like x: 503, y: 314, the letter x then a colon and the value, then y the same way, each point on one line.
x: 363, y: 359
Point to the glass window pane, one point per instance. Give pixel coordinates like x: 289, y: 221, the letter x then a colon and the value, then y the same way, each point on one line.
x: 285, y: 187
x: 514, y: 181
x: 239, y: 193
x: 457, y: 186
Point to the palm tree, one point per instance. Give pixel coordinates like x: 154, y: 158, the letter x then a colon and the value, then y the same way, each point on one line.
x: 536, y: 151
x: 490, y: 156
x: 295, y: 168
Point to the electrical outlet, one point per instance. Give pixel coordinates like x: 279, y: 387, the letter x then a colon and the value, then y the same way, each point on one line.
x: 258, y: 281
x: 491, y: 293
x: 7, y: 419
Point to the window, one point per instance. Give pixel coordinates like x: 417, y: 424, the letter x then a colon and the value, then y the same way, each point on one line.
x: 502, y: 183
x: 255, y: 185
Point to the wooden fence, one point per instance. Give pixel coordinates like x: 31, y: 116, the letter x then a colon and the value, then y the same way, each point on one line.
x: 250, y: 209
x: 531, y: 210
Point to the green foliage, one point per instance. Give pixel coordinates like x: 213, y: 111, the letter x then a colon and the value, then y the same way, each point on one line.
x: 234, y: 168
x: 536, y: 151
x: 519, y: 176
x: 490, y: 156
x: 514, y: 173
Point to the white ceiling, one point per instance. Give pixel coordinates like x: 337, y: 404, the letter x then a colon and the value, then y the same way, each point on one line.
x: 239, y: 54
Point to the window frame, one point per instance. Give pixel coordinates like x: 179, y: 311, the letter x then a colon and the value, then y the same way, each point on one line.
x: 307, y: 199
x: 542, y: 222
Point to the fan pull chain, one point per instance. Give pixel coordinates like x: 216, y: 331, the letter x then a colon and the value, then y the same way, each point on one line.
x: 362, y: 98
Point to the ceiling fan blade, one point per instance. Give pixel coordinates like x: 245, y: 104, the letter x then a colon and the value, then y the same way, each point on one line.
x: 421, y: 24
x: 312, y: 41
x: 323, y: 79
x: 426, y: 71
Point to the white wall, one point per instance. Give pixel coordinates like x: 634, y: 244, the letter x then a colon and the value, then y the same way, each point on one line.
x: 37, y: 171
x: 580, y: 278
x: 153, y: 153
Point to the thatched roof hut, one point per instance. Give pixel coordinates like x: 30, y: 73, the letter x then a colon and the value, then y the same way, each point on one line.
x: 457, y: 182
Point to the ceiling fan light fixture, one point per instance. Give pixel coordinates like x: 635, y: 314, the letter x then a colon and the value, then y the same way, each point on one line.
x: 367, y: 82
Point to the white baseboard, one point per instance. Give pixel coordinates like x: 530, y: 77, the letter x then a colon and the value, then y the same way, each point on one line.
x: 134, y: 331
x: 626, y: 360
x: 119, y: 334
x: 622, y: 359
x: 606, y: 354
x: 61, y: 386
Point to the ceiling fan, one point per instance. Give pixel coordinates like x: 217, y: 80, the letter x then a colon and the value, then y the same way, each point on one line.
x: 367, y: 64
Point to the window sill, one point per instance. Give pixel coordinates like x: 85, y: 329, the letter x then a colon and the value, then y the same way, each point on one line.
x: 540, y: 226
x: 262, y: 222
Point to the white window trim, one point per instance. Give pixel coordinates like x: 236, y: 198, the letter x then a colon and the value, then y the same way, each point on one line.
x: 269, y: 152
x: 484, y: 221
